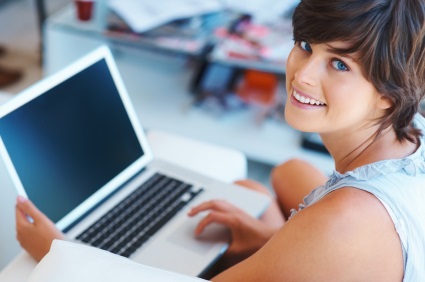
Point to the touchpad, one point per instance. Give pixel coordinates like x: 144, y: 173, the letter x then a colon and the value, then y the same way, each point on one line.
x: 184, y: 236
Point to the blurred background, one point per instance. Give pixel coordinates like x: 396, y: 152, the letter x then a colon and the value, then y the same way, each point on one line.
x: 20, y: 39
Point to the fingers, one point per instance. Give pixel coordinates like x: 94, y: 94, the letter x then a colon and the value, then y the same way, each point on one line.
x: 26, y: 207
x: 217, y: 205
x: 21, y: 218
x: 215, y: 217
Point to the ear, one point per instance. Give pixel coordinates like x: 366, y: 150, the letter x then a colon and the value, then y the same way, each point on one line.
x: 384, y: 102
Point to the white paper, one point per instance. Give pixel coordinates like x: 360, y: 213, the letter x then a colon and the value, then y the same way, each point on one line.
x: 143, y: 15
x: 261, y: 10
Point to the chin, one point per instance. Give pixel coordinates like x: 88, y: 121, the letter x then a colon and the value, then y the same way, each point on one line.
x: 300, y: 124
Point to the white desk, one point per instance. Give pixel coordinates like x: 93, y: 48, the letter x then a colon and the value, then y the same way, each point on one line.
x: 158, y: 85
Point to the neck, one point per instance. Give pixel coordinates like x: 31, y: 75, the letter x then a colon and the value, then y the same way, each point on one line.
x: 356, y: 149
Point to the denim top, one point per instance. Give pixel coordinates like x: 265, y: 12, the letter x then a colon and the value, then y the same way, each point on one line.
x: 400, y: 186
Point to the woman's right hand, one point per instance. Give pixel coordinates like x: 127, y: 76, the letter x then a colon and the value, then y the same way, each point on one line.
x: 34, y: 231
x: 248, y: 234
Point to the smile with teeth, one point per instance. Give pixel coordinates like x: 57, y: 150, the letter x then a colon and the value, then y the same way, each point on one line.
x: 306, y: 100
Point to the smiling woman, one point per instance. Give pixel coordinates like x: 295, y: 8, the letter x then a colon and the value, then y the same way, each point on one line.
x: 343, y: 99
x: 355, y: 76
x: 387, y: 39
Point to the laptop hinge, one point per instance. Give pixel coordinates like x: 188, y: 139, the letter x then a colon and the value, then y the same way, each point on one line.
x: 78, y: 220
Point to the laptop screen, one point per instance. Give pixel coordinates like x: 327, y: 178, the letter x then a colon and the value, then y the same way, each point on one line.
x: 71, y: 140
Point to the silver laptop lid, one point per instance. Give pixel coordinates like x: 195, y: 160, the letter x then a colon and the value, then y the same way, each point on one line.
x: 73, y: 138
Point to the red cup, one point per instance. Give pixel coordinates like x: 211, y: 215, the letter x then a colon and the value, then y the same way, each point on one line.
x: 84, y: 9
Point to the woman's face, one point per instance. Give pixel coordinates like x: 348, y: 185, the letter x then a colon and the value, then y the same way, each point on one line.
x: 328, y: 92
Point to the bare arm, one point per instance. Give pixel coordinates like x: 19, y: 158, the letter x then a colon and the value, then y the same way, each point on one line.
x: 347, y: 235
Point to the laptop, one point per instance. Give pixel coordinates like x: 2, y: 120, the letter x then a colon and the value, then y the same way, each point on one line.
x: 73, y: 144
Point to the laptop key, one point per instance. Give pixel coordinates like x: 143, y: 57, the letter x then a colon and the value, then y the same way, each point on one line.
x: 140, y: 215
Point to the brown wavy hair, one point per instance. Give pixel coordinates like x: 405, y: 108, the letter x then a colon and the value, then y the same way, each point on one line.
x: 389, y: 38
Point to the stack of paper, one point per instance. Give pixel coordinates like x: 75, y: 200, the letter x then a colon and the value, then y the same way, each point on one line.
x: 143, y: 15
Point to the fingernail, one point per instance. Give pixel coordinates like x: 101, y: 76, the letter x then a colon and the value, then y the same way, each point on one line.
x: 21, y: 199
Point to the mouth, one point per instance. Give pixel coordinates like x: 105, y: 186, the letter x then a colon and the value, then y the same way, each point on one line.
x: 306, y: 100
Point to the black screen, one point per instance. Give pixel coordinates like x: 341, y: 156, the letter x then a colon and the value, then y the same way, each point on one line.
x: 71, y: 140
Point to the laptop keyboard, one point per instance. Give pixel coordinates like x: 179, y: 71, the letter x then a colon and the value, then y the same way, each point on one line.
x: 140, y: 215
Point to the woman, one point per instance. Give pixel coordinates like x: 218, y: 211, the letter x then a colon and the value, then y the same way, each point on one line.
x: 356, y: 76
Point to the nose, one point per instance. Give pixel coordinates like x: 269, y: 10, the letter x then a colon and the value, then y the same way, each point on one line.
x: 308, y: 71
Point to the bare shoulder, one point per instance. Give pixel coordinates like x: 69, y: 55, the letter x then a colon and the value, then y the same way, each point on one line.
x: 347, y: 235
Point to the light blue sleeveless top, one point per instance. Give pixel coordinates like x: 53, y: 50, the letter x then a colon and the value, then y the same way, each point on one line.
x: 400, y: 185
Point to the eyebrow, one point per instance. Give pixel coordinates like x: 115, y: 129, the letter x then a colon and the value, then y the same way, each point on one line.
x: 331, y: 49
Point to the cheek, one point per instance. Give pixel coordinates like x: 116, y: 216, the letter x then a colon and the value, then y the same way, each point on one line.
x: 349, y: 98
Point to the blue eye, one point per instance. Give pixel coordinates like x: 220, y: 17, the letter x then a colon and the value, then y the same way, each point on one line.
x: 339, y: 65
x: 304, y: 45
